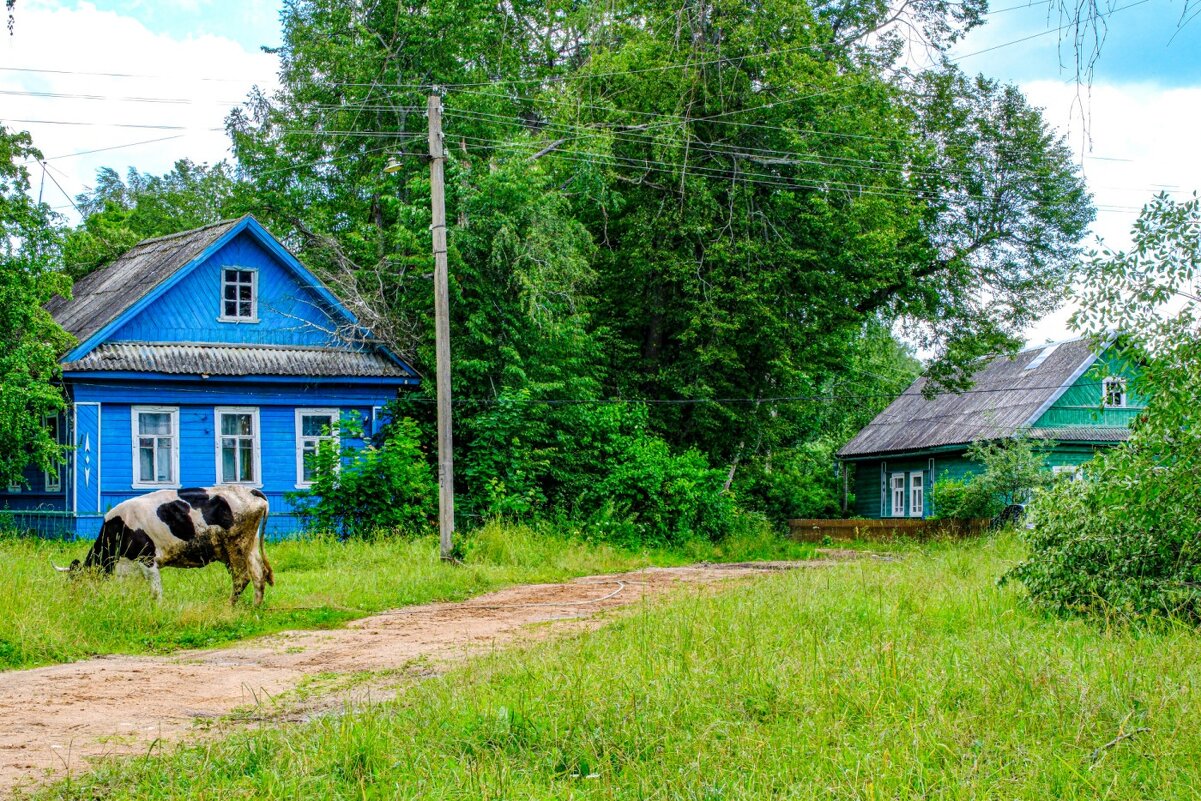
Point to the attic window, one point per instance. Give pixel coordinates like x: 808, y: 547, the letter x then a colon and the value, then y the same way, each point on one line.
x: 239, y: 295
x: 1114, y: 393
x: 1042, y: 356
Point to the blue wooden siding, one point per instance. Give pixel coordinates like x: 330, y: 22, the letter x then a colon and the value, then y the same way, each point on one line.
x: 104, y: 425
x: 289, y: 313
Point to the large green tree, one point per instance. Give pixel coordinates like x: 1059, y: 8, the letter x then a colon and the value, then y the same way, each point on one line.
x: 30, y: 341
x: 713, y: 203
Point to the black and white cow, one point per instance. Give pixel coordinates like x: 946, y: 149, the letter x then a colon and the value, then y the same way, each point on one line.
x: 187, y: 528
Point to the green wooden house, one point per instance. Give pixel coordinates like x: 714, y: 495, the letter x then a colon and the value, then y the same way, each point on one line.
x: 1065, y: 393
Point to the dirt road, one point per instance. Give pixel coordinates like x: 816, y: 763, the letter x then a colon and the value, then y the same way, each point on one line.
x: 53, y: 720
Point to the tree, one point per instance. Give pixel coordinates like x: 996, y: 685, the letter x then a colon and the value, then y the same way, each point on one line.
x: 1126, y: 538
x: 118, y: 214
x: 740, y: 194
x: 30, y: 341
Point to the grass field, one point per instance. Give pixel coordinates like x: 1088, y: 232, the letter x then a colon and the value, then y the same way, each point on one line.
x: 46, y: 618
x: 872, y: 680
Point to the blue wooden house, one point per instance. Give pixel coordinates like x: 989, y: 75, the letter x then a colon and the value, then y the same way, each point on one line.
x: 207, y: 357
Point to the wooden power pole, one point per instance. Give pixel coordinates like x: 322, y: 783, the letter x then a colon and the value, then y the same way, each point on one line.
x: 446, y: 469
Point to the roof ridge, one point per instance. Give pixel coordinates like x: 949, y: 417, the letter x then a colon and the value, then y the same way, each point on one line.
x: 215, y: 345
x: 189, y: 232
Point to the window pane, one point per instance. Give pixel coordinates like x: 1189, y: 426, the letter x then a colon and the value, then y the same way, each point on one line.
x: 231, y: 308
x: 228, y: 469
x: 315, y: 425
x: 244, y: 276
x: 232, y: 424
x: 146, y: 461
x: 164, y: 459
x: 247, y: 462
x: 231, y: 292
x: 244, y: 292
x: 154, y: 423
x: 310, y: 450
x: 244, y: 309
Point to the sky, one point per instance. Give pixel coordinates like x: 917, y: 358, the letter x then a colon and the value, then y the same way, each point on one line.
x: 146, y: 82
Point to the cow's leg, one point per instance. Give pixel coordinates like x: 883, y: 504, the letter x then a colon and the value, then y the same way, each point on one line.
x: 257, y: 574
x: 150, y: 571
x: 239, y: 573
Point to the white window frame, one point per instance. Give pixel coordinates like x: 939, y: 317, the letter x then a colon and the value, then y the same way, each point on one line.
x: 15, y: 489
x: 135, y: 436
x: 334, y: 436
x: 1072, y: 471
x: 917, y: 494
x: 1113, y: 381
x: 52, y: 480
x: 897, y: 510
x: 256, y: 444
x: 254, y: 296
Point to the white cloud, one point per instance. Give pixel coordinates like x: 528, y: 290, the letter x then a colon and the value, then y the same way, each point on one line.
x: 186, y: 85
x: 1135, y: 139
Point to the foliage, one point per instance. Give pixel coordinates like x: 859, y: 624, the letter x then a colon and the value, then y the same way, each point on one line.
x: 1126, y: 539
x: 360, y: 490
x: 118, y: 214
x: 899, y: 680
x: 30, y: 341
x: 682, y: 205
x: 962, y: 499
x: 1012, y: 470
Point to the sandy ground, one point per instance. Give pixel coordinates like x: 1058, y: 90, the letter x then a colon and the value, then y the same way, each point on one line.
x: 54, y: 720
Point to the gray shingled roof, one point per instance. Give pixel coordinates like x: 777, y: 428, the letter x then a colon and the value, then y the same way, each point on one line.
x: 98, y: 298
x: 1005, y: 397
x: 175, y: 358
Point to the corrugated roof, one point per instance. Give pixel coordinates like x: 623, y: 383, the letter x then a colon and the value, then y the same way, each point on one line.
x: 176, y: 358
x: 1006, y: 395
x: 1082, y: 433
x: 98, y: 298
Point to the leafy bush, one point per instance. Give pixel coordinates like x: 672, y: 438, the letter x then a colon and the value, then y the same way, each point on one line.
x: 361, y: 490
x: 1128, y: 537
x: 1121, y: 541
x: 1011, y: 471
x: 963, y: 499
x: 629, y: 488
x: 796, y: 482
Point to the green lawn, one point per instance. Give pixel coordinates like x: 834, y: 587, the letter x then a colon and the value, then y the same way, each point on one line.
x: 872, y: 680
x: 47, y: 618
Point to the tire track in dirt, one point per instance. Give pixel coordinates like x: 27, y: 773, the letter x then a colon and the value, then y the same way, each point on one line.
x: 54, y: 720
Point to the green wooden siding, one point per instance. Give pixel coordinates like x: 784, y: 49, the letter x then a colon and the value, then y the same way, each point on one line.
x: 954, y: 465
x: 1080, y: 404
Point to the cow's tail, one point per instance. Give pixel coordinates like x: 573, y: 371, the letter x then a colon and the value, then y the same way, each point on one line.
x: 268, y: 574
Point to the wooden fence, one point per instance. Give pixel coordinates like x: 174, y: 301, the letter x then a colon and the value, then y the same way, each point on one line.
x: 886, y: 529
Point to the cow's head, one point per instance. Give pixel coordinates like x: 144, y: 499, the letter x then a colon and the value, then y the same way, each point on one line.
x: 75, y: 567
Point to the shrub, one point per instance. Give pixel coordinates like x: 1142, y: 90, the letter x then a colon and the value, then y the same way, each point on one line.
x: 1011, y: 471
x: 361, y: 490
x: 962, y: 499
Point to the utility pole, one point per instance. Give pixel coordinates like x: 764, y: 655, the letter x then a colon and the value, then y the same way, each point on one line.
x: 446, y: 469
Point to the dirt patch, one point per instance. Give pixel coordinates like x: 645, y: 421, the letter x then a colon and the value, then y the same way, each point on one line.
x: 54, y: 720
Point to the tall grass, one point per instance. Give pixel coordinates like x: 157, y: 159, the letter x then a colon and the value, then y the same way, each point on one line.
x: 902, y: 680
x: 46, y: 617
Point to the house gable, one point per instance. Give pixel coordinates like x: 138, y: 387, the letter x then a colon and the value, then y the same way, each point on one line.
x: 290, y: 312
x: 1079, y: 405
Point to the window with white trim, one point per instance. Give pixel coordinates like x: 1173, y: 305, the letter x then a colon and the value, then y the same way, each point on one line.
x: 237, y: 445
x: 155, y: 446
x: 52, y: 479
x: 917, y: 494
x: 898, y: 494
x: 239, y: 295
x: 1113, y: 393
x: 1068, y: 471
x: 313, y: 426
